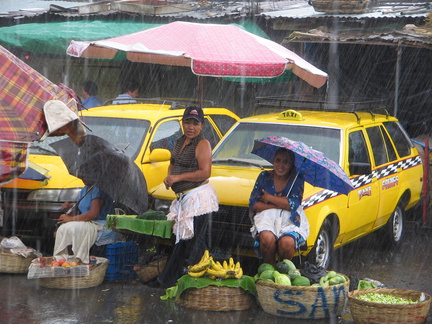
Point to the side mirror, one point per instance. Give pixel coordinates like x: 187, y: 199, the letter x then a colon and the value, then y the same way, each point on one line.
x: 360, y: 168
x: 160, y: 155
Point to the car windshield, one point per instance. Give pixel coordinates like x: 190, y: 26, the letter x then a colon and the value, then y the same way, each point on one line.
x: 236, y: 147
x: 125, y: 134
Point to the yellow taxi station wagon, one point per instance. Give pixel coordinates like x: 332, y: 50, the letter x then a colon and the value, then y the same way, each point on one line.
x: 373, y: 149
x: 145, y: 131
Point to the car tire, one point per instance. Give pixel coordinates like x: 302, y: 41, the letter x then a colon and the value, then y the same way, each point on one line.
x: 322, y: 253
x: 394, y: 229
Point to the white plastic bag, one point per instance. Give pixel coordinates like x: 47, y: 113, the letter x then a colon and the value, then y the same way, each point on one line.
x: 12, y: 243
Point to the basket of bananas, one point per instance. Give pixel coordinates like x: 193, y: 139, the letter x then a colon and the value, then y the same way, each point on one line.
x: 215, y: 295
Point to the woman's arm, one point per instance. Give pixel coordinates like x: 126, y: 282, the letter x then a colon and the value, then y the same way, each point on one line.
x: 275, y: 201
x: 204, y: 158
x: 95, y: 208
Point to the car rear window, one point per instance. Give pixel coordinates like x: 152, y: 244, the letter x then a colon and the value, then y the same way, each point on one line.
x: 400, y: 138
x: 223, y: 122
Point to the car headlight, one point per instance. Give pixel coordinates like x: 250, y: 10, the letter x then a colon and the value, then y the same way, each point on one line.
x: 60, y: 195
x: 162, y: 205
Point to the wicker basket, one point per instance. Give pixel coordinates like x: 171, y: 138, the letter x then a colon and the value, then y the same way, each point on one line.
x: 368, y: 312
x: 302, y: 302
x: 340, y: 6
x: 215, y: 298
x: 150, y: 271
x: 96, y: 277
x: 12, y: 263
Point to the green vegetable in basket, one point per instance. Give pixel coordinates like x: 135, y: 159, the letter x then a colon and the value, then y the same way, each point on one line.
x: 290, y: 264
x: 336, y: 280
x: 282, y: 267
x: 267, y: 274
x: 263, y: 267
x: 385, y: 299
x: 283, y: 279
x: 294, y: 274
x: 301, y: 281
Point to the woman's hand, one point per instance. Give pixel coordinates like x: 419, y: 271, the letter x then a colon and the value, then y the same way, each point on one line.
x: 64, y: 218
x: 67, y: 205
x: 266, y: 197
x: 169, y: 180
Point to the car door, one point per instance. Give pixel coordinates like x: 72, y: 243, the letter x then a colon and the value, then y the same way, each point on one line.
x: 364, y: 199
x: 163, y: 136
x: 387, y: 172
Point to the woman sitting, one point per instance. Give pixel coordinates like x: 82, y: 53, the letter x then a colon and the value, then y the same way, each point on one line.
x: 86, y: 226
x: 279, y: 222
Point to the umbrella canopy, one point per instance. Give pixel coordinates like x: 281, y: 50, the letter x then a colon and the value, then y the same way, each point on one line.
x: 13, y: 160
x: 316, y: 168
x: 209, y: 49
x: 99, y: 163
x: 23, y: 94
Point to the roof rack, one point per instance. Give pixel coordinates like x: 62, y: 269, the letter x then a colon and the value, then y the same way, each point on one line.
x: 175, y: 103
x: 353, y: 105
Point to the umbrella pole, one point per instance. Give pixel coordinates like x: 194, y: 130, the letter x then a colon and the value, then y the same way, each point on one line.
x: 76, y: 204
x: 201, y: 83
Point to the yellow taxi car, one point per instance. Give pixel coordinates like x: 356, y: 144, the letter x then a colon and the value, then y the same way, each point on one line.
x: 373, y: 149
x: 145, y: 130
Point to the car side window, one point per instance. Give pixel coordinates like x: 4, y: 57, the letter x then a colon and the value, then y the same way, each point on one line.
x: 400, y: 138
x: 378, y: 146
x: 358, y: 154
x: 166, y: 134
x: 210, y: 134
x: 223, y: 122
x: 390, y: 149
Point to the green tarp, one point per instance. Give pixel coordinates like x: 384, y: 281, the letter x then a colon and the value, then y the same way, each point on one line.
x: 54, y: 37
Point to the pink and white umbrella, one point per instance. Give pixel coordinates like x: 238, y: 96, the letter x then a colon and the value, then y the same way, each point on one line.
x: 209, y: 49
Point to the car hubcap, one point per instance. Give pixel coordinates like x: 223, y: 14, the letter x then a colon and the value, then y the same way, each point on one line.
x: 397, y: 225
x: 322, y: 249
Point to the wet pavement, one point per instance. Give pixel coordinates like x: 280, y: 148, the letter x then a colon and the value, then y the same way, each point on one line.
x: 22, y: 300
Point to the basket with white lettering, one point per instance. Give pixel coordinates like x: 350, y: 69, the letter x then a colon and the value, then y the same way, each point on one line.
x: 302, y: 302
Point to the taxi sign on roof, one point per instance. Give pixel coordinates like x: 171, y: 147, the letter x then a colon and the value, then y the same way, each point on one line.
x: 290, y: 114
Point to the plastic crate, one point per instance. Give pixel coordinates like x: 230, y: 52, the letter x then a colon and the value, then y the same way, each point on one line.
x: 122, y: 258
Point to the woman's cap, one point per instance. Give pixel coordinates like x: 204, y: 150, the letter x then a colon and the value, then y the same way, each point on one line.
x: 194, y: 112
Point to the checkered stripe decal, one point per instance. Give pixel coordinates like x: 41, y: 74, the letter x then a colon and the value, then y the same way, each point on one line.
x: 319, y: 197
x: 363, y: 180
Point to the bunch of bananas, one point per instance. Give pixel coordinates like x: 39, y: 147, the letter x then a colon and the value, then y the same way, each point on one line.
x: 214, y: 269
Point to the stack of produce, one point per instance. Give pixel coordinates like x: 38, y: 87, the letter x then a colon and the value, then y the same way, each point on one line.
x: 285, y: 273
x: 208, y: 267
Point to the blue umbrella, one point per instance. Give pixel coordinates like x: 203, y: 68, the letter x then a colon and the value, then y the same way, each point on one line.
x: 316, y: 168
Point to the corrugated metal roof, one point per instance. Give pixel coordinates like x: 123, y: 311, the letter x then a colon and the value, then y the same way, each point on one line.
x: 302, y: 9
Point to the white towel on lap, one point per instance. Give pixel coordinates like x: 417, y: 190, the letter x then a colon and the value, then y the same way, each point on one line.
x: 81, y: 235
x: 196, y: 202
x: 278, y: 221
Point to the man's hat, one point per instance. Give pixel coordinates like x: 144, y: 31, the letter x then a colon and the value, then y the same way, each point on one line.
x: 194, y: 112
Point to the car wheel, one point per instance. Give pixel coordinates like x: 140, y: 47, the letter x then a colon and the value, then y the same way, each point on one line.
x: 394, y: 229
x: 322, y: 253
